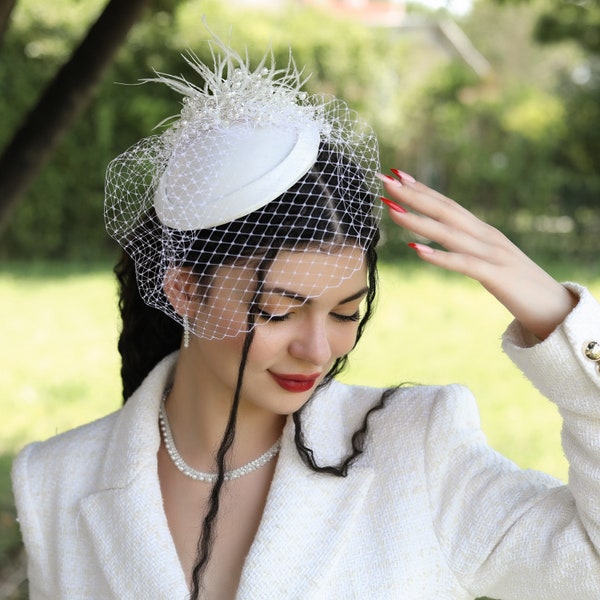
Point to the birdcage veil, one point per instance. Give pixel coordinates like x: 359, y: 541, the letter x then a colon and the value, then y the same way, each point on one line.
x: 252, y: 170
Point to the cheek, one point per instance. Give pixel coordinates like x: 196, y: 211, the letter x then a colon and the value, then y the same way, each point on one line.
x: 269, y: 342
x: 343, y: 341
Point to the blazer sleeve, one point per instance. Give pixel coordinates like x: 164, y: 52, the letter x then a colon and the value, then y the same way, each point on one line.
x: 510, y: 533
x: 49, y: 479
x: 32, y: 525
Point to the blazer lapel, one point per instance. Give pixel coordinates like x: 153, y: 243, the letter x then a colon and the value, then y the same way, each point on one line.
x: 124, y: 520
x: 128, y: 531
x: 307, y: 518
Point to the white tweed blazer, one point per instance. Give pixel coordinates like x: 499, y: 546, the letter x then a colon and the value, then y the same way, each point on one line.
x: 428, y: 512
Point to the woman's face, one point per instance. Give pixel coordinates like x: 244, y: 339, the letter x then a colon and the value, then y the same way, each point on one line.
x: 304, y: 324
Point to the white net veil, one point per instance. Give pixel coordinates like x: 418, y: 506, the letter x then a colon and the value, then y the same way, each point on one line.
x: 253, y: 173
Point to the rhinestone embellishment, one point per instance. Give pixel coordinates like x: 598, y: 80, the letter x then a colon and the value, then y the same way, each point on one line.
x: 192, y: 473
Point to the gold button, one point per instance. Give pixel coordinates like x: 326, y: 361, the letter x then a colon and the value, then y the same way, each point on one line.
x: 592, y: 351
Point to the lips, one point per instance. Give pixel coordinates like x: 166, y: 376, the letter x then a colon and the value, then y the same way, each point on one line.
x: 295, y: 382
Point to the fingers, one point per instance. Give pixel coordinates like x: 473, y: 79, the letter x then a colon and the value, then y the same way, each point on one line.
x: 433, y: 216
x: 438, y: 218
x: 479, y: 251
x: 470, y: 246
x: 464, y: 263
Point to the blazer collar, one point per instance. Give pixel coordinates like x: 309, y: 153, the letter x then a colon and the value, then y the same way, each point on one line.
x: 308, y: 516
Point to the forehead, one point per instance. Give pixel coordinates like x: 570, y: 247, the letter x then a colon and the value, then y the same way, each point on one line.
x: 307, y: 272
x: 311, y: 272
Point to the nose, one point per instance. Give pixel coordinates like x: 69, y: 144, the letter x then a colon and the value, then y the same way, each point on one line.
x: 311, y: 343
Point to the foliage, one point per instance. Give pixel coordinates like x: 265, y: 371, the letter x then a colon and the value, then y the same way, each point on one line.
x: 517, y: 146
x: 577, y: 21
x: 450, y: 131
x: 574, y: 20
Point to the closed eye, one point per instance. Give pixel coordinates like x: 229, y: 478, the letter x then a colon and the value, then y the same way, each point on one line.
x: 267, y: 316
x: 346, y: 318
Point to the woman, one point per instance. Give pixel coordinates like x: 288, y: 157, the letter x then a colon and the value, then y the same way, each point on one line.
x: 238, y: 466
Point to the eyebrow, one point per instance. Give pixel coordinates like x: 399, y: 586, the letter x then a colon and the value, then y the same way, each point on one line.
x: 304, y: 300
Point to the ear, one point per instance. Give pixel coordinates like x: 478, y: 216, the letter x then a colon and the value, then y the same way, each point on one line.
x: 181, y: 289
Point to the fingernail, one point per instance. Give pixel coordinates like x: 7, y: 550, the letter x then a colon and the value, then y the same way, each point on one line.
x: 387, y: 179
x: 403, y: 176
x: 421, y: 248
x: 393, y: 205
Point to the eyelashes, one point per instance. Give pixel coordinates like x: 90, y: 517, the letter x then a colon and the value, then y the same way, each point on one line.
x: 267, y: 316
x: 347, y: 318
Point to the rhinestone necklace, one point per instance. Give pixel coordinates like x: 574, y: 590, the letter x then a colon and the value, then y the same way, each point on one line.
x: 188, y: 471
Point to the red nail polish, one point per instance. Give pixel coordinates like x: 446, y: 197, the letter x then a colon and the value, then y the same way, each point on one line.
x: 393, y: 205
x: 421, y: 248
x: 387, y: 179
x: 403, y: 176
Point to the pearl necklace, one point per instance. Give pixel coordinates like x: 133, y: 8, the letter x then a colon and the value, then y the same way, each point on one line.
x: 190, y: 472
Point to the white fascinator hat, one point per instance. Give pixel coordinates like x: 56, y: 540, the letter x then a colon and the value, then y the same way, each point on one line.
x: 247, y: 162
x: 241, y: 141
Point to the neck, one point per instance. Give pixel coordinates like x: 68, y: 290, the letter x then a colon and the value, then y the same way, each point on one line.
x: 198, y: 414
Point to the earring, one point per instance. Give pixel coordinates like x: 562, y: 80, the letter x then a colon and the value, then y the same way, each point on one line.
x: 186, y: 332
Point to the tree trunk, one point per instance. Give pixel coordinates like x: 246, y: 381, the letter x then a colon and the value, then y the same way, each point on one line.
x: 6, y: 8
x: 62, y: 101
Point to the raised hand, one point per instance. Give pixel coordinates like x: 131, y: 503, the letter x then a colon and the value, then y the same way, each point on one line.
x: 479, y: 251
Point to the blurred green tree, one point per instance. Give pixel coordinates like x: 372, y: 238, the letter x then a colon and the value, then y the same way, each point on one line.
x: 6, y: 9
x: 522, y: 146
x: 62, y: 101
x: 579, y: 22
x: 517, y: 145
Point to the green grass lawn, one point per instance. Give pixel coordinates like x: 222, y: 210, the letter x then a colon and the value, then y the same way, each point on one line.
x: 60, y: 364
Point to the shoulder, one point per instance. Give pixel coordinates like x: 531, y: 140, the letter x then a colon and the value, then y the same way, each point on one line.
x: 82, y: 441
x: 49, y: 479
x: 411, y: 403
x: 103, y: 452
x: 61, y: 462
x: 415, y: 418
x: 400, y: 420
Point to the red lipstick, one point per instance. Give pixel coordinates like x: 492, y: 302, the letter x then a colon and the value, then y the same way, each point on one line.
x: 295, y: 382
